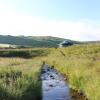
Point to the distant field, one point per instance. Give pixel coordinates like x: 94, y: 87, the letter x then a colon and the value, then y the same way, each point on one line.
x: 20, y: 70
x: 24, y: 53
x: 4, y: 45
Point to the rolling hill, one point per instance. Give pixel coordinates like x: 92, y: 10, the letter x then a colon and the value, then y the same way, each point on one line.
x: 32, y: 41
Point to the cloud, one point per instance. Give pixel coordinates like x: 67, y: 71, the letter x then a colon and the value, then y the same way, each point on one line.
x: 13, y: 23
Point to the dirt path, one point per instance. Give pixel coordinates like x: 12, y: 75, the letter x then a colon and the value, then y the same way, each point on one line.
x: 53, y: 85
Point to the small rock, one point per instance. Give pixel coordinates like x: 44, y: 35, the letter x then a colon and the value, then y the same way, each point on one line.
x: 51, y: 85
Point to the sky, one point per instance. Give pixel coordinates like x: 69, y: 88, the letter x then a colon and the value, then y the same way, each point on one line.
x: 71, y: 19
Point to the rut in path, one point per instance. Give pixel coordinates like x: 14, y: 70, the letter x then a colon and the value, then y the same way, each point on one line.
x: 53, y: 85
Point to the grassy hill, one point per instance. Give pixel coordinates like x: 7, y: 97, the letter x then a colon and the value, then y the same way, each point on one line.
x: 32, y: 41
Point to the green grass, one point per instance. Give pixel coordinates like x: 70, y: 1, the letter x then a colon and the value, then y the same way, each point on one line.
x: 81, y: 64
x: 23, y: 53
x: 20, y: 77
x: 20, y: 73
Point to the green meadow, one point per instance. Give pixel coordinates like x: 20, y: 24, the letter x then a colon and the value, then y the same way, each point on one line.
x: 80, y: 64
x: 20, y: 74
x: 20, y: 70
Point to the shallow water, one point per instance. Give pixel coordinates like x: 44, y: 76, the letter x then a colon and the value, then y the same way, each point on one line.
x: 53, y: 85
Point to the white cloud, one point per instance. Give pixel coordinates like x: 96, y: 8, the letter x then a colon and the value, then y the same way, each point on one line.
x: 16, y: 24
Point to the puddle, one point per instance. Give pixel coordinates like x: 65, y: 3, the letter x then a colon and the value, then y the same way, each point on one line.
x: 53, y: 85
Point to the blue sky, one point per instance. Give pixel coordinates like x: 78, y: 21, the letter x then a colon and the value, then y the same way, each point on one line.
x: 74, y: 19
x: 58, y: 9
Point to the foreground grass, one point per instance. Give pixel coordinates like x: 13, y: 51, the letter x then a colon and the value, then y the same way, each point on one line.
x: 19, y: 77
x: 81, y: 64
x: 20, y: 73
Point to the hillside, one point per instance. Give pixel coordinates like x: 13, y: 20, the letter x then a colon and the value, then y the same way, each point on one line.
x: 32, y: 41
